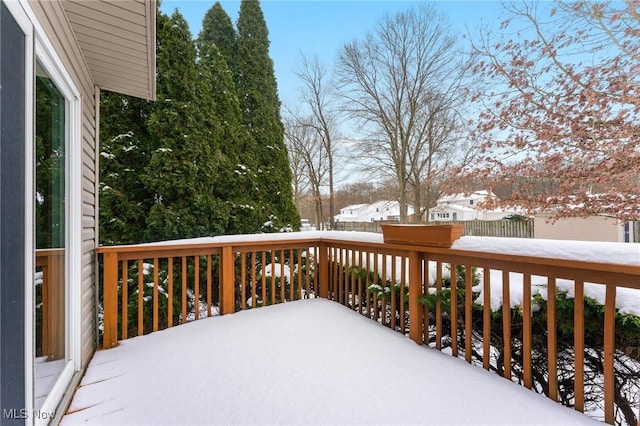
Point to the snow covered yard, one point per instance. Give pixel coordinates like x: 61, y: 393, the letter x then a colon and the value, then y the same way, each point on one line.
x: 305, y: 362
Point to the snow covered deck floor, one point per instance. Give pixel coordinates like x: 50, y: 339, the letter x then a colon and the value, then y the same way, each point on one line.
x: 305, y: 362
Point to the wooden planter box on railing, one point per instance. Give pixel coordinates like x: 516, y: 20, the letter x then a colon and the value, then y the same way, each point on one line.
x: 406, y: 287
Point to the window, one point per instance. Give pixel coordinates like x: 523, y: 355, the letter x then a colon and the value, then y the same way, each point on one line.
x: 57, y: 229
x: 50, y: 233
x: 471, y: 202
x: 42, y: 114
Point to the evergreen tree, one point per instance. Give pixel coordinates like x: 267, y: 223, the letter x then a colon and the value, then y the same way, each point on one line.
x: 237, y: 172
x: 218, y: 30
x: 126, y: 147
x: 260, y: 106
x: 184, y: 168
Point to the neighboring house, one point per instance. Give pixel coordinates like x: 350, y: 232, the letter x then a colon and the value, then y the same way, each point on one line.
x: 466, y: 207
x: 591, y: 228
x: 380, y: 211
x: 448, y: 212
x: 55, y: 57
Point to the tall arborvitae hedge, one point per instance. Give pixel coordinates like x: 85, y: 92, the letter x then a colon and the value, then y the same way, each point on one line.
x: 185, y: 167
x: 191, y: 163
x: 126, y: 148
x: 218, y: 30
x: 258, y: 95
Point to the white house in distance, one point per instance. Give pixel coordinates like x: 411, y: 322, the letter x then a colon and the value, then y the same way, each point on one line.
x: 380, y: 211
x: 591, y: 228
x: 463, y: 207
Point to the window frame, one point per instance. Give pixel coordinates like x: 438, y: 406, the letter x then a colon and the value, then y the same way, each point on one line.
x: 45, y: 54
x: 39, y: 48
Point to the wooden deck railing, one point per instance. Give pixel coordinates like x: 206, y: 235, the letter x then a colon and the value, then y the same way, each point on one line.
x: 427, y: 293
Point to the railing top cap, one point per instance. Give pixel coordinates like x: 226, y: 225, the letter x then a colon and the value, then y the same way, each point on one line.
x: 582, y: 251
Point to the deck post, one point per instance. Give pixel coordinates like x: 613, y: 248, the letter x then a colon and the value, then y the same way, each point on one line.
x: 323, y: 267
x: 110, y: 290
x: 416, y: 289
x: 227, y: 293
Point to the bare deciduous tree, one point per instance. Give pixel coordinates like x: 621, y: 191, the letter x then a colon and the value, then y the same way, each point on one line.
x: 317, y: 96
x: 403, y: 83
x: 308, y: 151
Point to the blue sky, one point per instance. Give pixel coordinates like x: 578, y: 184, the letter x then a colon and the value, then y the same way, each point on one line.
x: 322, y: 27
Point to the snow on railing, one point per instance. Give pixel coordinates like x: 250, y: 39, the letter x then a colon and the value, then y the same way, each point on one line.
x: 448, y: 298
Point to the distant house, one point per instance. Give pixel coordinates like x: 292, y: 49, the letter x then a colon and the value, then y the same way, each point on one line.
x: 465, y: 207
x: 380, y: 211
x: 592, y: 228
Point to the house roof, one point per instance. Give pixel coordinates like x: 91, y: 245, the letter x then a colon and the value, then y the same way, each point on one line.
x: 353, y: 207
x: 456, y: 207
x: 448, y: 198
x: 118, y: 41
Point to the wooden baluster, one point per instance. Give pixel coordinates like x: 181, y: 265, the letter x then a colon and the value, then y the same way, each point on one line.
x: 170, y: 291
x: 578, y: 346
x: 393, y: 292
x: 453, y: 298
x: 300, y: 284
x: 351, y: 260
x: 253, y: 280
x: 307, y: 294
x: 156, y: 266
x: 376, y: 280
x: 486, y: 320
x: 140, y: 297
x: 125, y: 299
x: 384, y: 288
x: 552, y: 328
x: 609, y: 350
x: 425, y: 307
x: 526, y: 331
x: 196, y: 286
x: 291, y: 268
x: 243, y: 278
x: 367, y: 283
x: 184, y: 290
x: 506, y: 323
x: 438, y: 305
x: 403, y: 278
x: 209, y: 291
x: 273, y: 277
x: 340, y: 277
x: 264, y: 279
x: 359, y: 290
x: 283, y: 278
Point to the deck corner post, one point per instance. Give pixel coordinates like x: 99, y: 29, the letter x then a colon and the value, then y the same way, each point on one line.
x: 110, y: 300
x: 323, y: 267
x: 227, y: 290
x: 416, y: 287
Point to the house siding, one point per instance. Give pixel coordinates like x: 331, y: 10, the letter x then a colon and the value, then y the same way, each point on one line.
x: 55, y: 24
x: 592, y: 228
